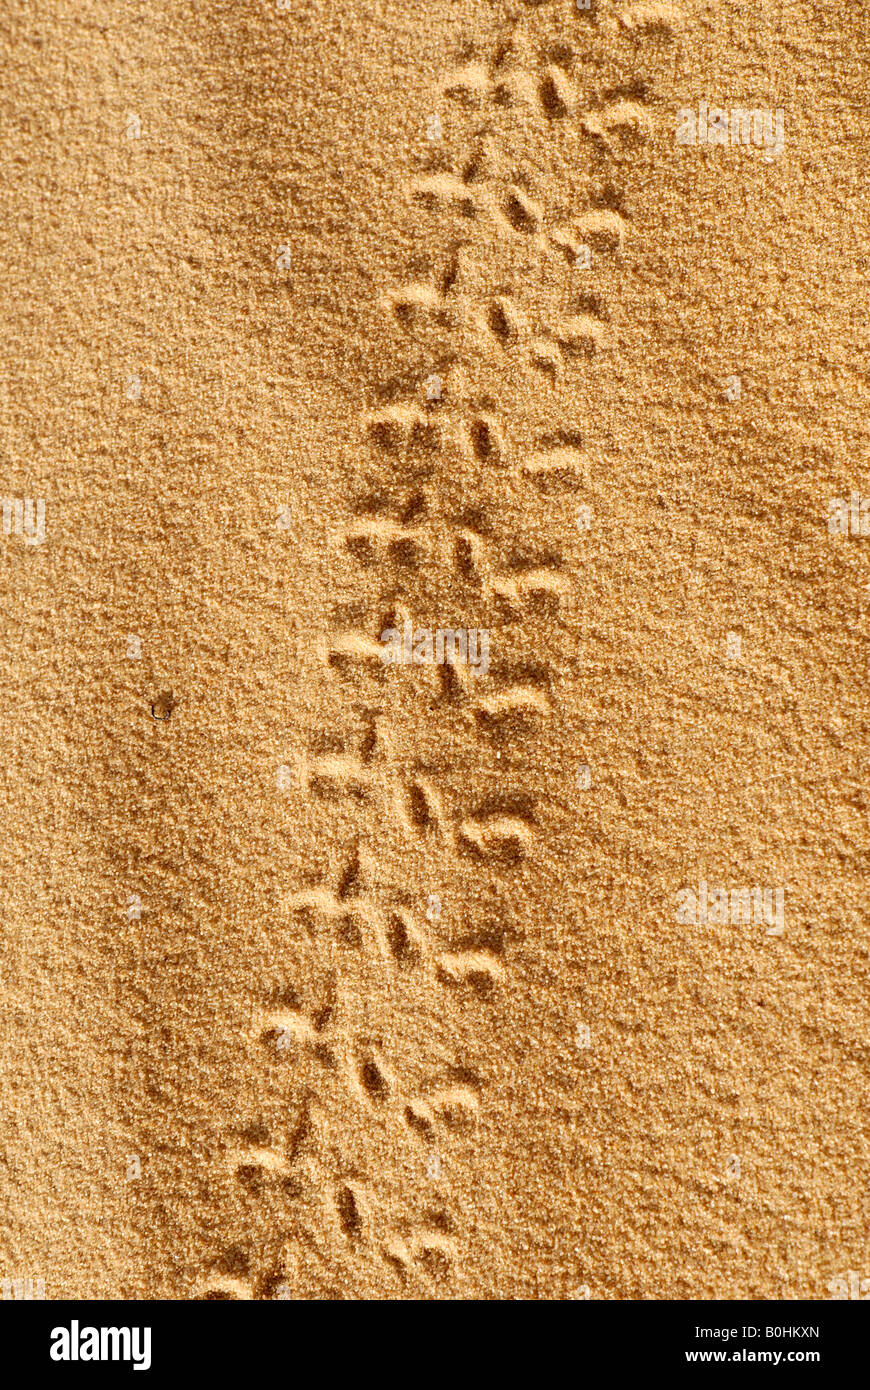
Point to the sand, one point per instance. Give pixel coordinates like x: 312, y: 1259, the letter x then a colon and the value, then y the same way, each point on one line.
x: 326, y: 978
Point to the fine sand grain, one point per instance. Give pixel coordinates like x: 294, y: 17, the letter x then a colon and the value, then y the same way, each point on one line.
x: 542, y: 975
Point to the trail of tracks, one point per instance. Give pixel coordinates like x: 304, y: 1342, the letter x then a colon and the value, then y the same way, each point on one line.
x: 425, y: 533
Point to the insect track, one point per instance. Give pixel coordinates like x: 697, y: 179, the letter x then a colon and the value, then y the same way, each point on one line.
x: 494, y: 226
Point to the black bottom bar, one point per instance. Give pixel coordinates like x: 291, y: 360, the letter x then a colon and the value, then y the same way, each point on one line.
x: 164, y: 1339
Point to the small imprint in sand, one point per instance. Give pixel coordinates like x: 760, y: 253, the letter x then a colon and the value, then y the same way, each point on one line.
x: 500, y: 839
x: 225, y: 1287
x: 163, y: 706
x: 653, y: 19
x: 560, y: 466
x: 480, y: 970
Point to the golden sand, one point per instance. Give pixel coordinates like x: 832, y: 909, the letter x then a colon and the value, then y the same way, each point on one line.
x: 327, y: 978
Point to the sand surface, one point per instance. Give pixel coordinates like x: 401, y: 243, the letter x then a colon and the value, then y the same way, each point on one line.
x: 325, y: 978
